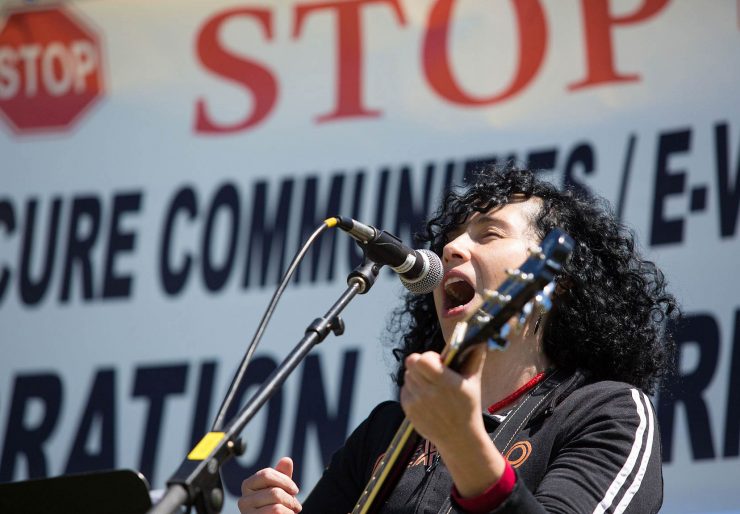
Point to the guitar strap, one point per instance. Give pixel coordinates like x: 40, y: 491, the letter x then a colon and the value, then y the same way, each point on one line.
x: 520, y: 415
x: 517, y: 419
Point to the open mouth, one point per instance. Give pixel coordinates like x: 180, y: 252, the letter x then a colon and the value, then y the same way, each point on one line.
x: 458, y: 292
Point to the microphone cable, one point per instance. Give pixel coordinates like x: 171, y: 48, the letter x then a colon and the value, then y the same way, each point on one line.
x: 229, y: 399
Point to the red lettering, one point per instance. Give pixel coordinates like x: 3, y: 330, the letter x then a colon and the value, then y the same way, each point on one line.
x: 598, y: 24
x: 253, y: 76
x: 532, y: 43
x: 349, y: 54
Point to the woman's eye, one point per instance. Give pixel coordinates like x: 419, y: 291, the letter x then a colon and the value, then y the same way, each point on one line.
x: 488, y: 235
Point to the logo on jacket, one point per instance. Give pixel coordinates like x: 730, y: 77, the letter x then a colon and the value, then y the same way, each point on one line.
x: 518, y: 453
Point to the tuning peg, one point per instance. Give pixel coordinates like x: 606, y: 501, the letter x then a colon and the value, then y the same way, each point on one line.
x: 536, y: 251
x: 522, y: 318
x: 527, y: 309
x: 543, y: 297
x: 519, y: 275
x: 491, y: 299
x: 505, y: 330
x: 494, y: 297
x: 501, y: 341
x: 482, y: 317
x: 491, y: 295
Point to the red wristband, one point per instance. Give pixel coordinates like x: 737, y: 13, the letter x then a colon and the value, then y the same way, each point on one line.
x: 492, y: 497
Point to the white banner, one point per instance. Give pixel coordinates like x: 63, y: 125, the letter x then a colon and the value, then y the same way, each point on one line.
x: 162, y: 162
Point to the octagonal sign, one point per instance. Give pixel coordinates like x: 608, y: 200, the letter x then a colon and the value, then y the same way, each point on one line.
x: 50, y: 70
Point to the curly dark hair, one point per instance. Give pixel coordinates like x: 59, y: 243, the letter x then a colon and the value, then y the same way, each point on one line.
x: 611, y: 307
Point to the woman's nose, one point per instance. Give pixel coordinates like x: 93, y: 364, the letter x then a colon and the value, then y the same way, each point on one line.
x: 456, y: 250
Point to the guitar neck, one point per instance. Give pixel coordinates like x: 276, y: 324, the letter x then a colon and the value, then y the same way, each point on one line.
x: 388, y: 471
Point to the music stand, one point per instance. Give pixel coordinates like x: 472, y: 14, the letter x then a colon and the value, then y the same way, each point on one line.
x: 103, y: 492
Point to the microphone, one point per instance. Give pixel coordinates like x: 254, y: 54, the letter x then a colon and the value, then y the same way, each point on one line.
x: 420, y: 271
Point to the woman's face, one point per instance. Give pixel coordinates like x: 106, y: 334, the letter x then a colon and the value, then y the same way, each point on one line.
x: 477, y: 255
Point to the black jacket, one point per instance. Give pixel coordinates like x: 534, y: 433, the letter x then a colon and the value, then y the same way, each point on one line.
x: 593, y: 448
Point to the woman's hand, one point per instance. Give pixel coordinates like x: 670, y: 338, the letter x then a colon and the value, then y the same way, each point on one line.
x: 270, y: 490
x: 445, y: 407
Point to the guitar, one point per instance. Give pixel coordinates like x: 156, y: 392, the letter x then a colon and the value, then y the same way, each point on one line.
x: 525, y: 289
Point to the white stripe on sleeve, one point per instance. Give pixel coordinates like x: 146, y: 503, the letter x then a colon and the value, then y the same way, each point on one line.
x: 643, y: 463
x: 629, y: 465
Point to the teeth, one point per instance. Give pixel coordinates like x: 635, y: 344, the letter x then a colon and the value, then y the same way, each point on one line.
x: 451, y: 292
x: 452, y: 280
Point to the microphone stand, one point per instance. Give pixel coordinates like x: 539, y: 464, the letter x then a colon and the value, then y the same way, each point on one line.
x: 197, y: 481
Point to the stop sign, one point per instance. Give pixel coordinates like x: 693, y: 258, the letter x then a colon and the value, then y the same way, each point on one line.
x: 50, y: 70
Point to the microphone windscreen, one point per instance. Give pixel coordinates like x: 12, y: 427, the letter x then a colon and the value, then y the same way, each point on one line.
x: 428, y: 280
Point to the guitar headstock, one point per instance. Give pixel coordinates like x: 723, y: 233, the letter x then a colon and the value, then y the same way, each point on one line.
x: 527, y: 288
